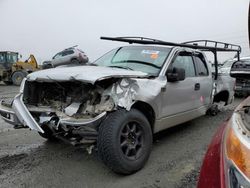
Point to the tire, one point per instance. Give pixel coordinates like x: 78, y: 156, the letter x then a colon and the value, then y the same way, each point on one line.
x: 124, y: 141
x: 8, y: 82
x: 18, y: 77
x: 48, y: 134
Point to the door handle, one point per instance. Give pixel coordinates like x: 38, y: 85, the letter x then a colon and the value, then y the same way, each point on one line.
x: 197, y: 86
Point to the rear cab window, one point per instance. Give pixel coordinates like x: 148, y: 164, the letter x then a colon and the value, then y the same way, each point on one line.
x: 200, y: 65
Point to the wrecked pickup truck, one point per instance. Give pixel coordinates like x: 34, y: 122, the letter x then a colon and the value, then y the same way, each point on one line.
x: 118, y: 102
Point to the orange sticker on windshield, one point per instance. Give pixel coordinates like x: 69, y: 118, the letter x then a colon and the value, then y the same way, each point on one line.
x: 154, y: 56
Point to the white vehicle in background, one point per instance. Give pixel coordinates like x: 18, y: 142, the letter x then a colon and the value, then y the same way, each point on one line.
x: 226, y: 67
x: 69, y: 56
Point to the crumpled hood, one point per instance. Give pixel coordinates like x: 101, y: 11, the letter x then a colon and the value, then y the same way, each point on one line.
x: 88, y: 74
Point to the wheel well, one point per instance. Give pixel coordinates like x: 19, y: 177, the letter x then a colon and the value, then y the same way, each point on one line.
x: 74, y: 58
x: 221, y: 96
x: 147, y: 110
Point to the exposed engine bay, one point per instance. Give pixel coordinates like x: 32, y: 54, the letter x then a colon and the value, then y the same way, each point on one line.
x: 74, y: 99
x: 69, y: 107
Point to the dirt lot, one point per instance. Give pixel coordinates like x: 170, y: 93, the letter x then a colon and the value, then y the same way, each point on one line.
x: 27, y: 160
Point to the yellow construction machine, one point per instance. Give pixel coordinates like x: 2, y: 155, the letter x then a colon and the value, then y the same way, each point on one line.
x: 12, y: 71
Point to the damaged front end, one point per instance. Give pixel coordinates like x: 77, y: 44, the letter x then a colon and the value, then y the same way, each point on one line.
x: 70, y: 109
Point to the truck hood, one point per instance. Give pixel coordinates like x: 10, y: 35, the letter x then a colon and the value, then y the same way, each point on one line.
x: 89, y: 74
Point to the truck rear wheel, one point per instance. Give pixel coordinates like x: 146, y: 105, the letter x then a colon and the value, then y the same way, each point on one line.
x: 17, y: 77
x: 124, y: 141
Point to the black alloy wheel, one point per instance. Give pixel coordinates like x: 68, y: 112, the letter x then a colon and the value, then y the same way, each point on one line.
x: 132, y: 140
x: 124, y: 141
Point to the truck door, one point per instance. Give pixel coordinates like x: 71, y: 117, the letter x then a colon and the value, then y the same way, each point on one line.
x: 180, y: 96
x: 204, y: 80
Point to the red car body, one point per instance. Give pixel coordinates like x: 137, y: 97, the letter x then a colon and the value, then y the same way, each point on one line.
x: 227, y: 161
x: 212, y: 170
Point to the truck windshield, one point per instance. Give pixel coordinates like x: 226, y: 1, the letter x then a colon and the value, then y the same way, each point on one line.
x: 147, y: 59
x: 12, y: 57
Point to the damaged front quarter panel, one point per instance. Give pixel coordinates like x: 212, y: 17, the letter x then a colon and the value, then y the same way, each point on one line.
x: 123, y: 92
x: 127, y: 91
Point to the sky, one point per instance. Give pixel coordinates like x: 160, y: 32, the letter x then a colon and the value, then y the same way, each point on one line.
x: 45, y: 27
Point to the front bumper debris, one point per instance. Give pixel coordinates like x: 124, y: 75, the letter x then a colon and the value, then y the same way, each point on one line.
x: 24, y: 115
x: 8, y: 114
x: 17, y: 114
x: 82, y: 122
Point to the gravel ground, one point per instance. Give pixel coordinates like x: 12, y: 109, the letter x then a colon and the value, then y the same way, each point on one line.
x: 27, y: 160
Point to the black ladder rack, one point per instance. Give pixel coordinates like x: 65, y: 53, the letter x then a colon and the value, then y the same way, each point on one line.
x: 214, y: 44
x: 203, y: 45
x: 190, y: 44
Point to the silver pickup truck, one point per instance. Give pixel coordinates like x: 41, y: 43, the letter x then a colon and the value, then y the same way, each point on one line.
x: 119, y: 101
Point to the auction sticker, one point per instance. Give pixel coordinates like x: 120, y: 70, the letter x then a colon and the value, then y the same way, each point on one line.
x: 150, y: 52
x: 153, y: 54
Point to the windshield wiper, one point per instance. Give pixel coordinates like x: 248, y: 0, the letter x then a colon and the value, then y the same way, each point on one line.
x: 121, y: 67
x: 139, y: 62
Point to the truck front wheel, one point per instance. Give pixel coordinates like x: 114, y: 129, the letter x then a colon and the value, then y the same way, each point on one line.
x: 124, y: 141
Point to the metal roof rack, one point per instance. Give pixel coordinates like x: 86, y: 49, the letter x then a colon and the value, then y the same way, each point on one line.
x: 190, y: 44
x: 214, y: 44
x: 203, y: 45
x: 137, y: 38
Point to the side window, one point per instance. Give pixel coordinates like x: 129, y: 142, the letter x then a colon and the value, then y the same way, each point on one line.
x: 200, y: 65
x: 67, y: 52
x: 185, y: 61
x: 58, y: 55
x: 2, y: 58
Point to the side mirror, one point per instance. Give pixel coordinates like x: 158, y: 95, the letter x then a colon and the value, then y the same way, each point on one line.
x: 240, y: 69
x: 177, y: 74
